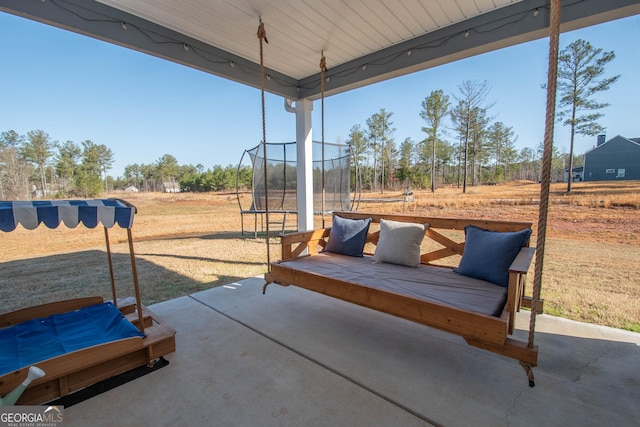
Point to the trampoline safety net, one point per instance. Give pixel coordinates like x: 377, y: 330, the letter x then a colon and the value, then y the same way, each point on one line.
x: 282, y: 181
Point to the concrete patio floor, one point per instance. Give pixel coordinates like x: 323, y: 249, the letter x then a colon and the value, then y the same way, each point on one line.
x: 295, y: 358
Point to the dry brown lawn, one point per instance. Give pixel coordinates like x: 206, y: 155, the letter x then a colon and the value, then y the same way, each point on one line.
x: 189, y: 242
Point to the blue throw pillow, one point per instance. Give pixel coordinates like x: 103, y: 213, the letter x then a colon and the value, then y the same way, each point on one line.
x: 348, y: 236
x: 488, y: 254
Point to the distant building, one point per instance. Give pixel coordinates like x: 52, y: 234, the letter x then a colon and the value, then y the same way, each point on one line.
x: 576, y: 175
x: 170, y: 187
x: 613, y: 160
x: 131, y: 189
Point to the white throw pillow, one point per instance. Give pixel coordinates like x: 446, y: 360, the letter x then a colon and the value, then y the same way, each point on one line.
x: 399, y: 242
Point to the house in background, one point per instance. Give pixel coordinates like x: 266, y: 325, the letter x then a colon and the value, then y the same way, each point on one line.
x: 577, y: 174
x: 170, y: 187
x: 615, y: 159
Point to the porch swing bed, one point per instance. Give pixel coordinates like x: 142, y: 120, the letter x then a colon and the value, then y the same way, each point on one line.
x: 427, y: 289
x: 81, y: 341
x: 477, y: 299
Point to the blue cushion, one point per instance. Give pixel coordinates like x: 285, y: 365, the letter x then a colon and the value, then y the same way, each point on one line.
x: 348, y: 236
x: 39, y: 339
x: 488, y: 254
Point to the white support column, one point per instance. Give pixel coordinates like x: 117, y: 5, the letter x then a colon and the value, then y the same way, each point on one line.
x: 304, y: 145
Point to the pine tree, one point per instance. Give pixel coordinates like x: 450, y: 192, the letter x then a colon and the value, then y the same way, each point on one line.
x: 580, y: 70
x: 38, y: 149
x: 434, y: 110
x: 381, y: 142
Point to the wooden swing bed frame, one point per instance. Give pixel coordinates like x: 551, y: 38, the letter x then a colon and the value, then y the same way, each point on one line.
x: 492, y: 333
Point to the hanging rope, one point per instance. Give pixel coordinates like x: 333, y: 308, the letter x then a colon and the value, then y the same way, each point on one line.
x: 323, y: 68
x: 262, y: 35
x: 552, y: 78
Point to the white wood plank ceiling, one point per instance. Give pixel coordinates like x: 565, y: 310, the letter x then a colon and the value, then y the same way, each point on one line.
x: 364, y: 41
x: 300, y: 30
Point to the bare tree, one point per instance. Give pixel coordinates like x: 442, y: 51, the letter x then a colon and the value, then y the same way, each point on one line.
x: 473, y: 95
x: 14, y: 170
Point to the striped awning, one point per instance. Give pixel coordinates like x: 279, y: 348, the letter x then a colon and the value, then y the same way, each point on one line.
x: 70, y: 212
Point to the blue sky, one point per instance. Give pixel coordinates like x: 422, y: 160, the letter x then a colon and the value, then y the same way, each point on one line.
x: 77, y: 88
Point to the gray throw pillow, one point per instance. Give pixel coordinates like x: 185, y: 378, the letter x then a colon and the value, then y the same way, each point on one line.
x: 399, y: 242
x: 348, y: 236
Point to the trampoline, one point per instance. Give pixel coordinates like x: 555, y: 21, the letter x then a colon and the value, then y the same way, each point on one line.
x: 282, y: 182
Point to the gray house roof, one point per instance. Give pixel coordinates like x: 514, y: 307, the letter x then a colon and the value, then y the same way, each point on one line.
x: 635, y: 141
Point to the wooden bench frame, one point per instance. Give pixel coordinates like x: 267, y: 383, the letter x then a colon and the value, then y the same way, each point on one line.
x: 73, y: 371
x: 492, y: 333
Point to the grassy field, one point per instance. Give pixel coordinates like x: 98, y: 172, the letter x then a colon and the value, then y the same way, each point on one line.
x: 189, y: 242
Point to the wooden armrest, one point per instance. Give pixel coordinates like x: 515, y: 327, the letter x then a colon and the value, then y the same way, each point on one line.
x: 304, y: 236
x: 520, y: 267
x: 523, y: 261
x: 294, y: 244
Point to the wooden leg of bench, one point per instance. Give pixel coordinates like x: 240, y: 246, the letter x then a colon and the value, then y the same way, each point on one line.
x: 269, y: 280
x: 528, y: 369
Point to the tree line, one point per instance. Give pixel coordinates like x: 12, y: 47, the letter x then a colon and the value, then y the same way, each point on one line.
x: 463, y: 145
x: 151, y: 177
x: 34, y: 166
